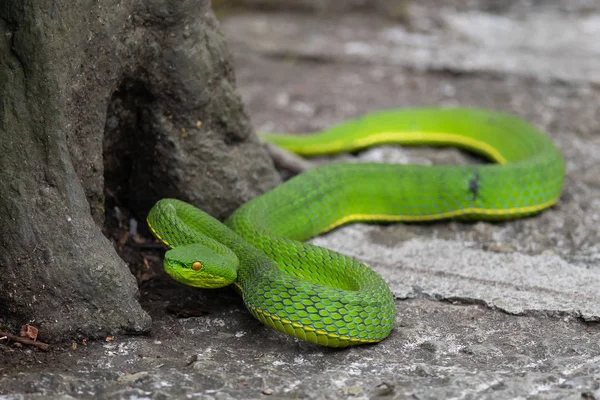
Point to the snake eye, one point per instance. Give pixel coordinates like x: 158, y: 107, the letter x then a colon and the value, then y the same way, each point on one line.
x: 196, y: 266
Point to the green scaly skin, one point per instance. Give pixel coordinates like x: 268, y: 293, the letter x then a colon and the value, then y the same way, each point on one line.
x: 327, y: 298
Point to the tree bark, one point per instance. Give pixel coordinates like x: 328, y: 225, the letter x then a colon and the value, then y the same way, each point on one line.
x: 132, y: 98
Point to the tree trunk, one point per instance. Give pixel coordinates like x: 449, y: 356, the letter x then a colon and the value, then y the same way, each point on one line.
x: 135, y: 99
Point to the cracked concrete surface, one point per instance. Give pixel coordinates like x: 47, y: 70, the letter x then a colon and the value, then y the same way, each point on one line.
x: 506, y: 310
x: 463, y: 272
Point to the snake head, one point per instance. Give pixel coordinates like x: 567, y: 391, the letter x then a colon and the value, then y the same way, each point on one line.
x: 200, y: 266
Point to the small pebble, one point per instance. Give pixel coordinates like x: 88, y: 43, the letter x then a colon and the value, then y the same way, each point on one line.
x: 267, y: 391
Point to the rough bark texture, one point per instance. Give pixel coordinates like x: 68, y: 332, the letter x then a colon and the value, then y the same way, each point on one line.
x: 155, y: 75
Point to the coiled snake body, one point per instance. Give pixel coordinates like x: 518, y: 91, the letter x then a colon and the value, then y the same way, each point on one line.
x: 322, y: 296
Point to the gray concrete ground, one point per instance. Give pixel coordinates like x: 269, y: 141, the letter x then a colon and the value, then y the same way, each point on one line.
x: 505, y: 310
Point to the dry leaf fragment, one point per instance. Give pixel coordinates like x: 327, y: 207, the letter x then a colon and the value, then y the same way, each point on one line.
x: 30, y: 332
x: 124, y: 238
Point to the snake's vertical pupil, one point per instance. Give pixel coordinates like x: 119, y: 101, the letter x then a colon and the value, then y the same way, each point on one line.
x: 196, y: 266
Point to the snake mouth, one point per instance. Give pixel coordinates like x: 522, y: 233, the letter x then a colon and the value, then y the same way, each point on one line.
x: 199, y: 279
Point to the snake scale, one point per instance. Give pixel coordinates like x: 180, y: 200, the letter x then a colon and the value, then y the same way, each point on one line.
x: 325, y: 297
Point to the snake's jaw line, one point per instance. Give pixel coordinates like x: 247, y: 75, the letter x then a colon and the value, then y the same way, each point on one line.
x: 199, y: 279
x: 200, y: 266
x: 319, y: 295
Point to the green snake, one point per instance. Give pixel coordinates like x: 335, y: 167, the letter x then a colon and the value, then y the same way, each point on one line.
x: 325, y: 297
